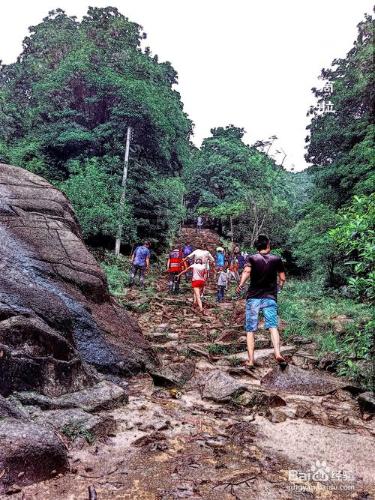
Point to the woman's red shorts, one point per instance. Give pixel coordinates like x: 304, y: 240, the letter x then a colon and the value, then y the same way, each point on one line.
x: 198, y: 283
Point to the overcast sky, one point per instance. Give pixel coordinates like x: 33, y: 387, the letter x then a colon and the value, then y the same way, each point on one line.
x: 247, y: 62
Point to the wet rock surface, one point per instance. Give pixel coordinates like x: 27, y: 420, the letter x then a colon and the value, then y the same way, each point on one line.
x: 56, y: 315
x: 299, y: 381
x: 171, y: 443
x: 102, y: 396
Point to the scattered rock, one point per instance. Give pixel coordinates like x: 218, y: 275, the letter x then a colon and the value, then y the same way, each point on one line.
x: 277, y: 415
x: 296, y: 380
x: 299, y: 340
x: 76, y: 423
x: 175, y: 375
x: 329, y: 362
x: 263, y: 357
x: 156, y: 441
x: 366, y: 402
x: 7, y: 409
x: 304, y: 359
x: 303, y: 410
x: 103, y: 396
x: 203, y: 365
x: 341, y: 322
x: 256, y: 398
x: 29, y: 453
x: 221, y: 387
x: 228, y: 336
x: 262, y: 341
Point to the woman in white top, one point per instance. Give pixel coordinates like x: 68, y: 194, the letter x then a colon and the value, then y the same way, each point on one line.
x: 204, y: 255
x: 198, y: 281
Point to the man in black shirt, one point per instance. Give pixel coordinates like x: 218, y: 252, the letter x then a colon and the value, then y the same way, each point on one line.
x: 267, y: 275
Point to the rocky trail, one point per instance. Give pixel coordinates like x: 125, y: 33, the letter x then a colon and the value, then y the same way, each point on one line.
x: 200, y: 426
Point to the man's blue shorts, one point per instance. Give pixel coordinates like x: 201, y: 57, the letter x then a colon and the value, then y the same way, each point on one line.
x: 269, y: 309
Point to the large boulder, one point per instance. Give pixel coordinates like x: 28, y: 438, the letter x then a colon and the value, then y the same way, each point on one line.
x: 28, y: 453
x: 220, y: 387
x: 298, y: 381
x: 102, y: 396
x: 56, y: 315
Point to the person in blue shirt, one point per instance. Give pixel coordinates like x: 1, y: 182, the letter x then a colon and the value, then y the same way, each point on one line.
x: 220, y: 257
x: 141, y: 263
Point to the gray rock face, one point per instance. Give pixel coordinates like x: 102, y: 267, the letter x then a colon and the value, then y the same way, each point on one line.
x: 175, y: 375
x: 103, y: 396
x: 76, y: 423
x: 28, y: 453
x: 367, y: 402
x: 299, y: 381
x: 56, y: 315
x: 221, y: 387
x: 9, y: 410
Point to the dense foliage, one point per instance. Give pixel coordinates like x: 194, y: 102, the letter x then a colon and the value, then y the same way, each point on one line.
x: 355, y: 235
x: 340, y: 144
x: 65, y: 106
x: 335, y: 238
x: 241, y: 188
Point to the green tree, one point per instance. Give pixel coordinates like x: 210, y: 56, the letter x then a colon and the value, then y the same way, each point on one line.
x: 354, y: 234
x: 70, y: 97
x: 340, y: 144
x: 312, y: 246
x: 240, y: 187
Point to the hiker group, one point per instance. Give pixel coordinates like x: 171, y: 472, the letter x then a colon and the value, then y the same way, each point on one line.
x: 198, y: 265
x: 265, y: 271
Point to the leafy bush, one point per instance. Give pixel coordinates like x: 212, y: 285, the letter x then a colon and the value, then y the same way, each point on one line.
x: 311, y: 312
x: 313, y: 249
x: 355, y: 235
x: 117, y: 270
x: 95, y: 196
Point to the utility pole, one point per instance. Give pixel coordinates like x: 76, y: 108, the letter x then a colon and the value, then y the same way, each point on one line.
x: 285, y: 155
x: 123, y: 184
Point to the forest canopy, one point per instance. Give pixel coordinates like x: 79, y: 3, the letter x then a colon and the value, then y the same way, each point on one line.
x: 65, y: 106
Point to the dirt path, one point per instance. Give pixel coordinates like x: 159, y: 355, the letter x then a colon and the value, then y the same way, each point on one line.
x: 224, y: 434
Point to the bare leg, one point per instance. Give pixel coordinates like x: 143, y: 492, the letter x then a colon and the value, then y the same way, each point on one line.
x: 197, y: 297
x: 250, y: 348
x: 275, y: 337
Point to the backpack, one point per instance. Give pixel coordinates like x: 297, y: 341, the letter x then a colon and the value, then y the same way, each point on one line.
x: 176, y: 263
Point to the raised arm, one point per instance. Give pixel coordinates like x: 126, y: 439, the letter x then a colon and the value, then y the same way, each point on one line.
x: 184, y: 271
x: 190, y: 256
